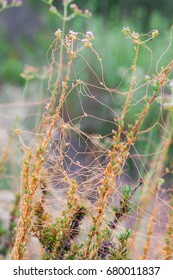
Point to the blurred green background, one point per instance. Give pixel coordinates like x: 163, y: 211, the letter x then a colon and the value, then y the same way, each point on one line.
x: 26, y: 33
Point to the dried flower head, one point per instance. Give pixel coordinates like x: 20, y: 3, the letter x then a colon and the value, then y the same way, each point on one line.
x: 53, y: 10
x: 89, y: 35
x: 68, y: 41
x: 29, y: 72
x: 155, y: 33
x: 86, y: 42
x: 135, y: 35
x: 72, y: 35
x: 147, y: 78
x: 58, y: 33
x: 73, y: 6
x: 126, y: 30
x: 75, y: 9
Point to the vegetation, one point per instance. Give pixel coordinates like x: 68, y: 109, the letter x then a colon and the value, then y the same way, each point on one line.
x: 96, y: 172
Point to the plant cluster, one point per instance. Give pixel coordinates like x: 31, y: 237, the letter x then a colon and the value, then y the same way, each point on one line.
x: 93, y: 204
